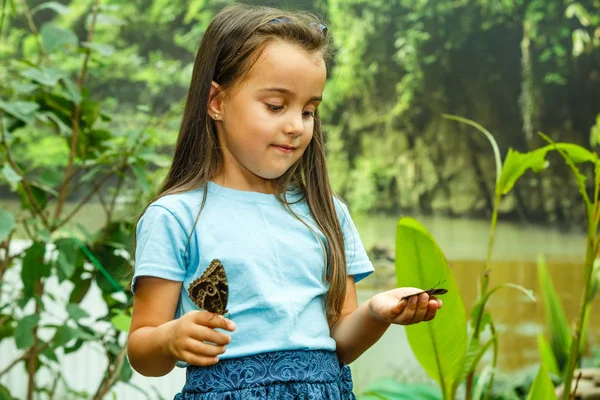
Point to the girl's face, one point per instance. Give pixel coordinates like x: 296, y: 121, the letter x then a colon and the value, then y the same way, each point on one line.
x: 267, y: 121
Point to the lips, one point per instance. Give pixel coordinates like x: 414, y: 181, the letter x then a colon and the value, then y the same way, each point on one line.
x: 284, y: 148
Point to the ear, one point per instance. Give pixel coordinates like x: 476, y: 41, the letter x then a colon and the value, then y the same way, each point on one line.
x: 215, y: 100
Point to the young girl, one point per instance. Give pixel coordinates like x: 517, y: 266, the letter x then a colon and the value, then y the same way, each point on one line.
x: 246, y: 227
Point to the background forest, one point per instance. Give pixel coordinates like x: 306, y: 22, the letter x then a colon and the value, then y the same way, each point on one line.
x: 516, y: 67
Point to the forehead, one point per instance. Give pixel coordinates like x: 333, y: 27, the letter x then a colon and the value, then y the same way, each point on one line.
x: 288, y: 66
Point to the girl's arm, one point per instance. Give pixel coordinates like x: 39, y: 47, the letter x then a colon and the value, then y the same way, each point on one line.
x: 358, y: 328
x: 157, y: 341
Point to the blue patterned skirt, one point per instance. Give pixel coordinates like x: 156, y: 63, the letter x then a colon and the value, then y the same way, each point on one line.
x: 281, y: 375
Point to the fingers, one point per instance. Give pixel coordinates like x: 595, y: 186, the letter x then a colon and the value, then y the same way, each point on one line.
x: 196, y: 339
x: 206, y: 334
x: 416, y: 309
x: 432, y: 307
x: 213, y: 320
x: 421, y: 306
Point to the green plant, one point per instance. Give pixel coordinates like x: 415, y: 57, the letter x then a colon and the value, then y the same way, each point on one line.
x: 87, y: 156
x: 424, y: 258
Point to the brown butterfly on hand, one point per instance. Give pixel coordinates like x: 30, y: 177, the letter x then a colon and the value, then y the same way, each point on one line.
x: 211, y: 291
x: 431, y: 292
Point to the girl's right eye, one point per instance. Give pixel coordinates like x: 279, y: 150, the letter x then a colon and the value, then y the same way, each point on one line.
x: 273, y: 107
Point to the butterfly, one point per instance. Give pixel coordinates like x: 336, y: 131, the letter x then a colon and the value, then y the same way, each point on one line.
x: 431, y: 292
x: 211, y: 290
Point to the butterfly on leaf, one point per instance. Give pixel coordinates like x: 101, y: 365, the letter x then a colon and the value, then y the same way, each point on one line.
x: 431, y: 292
x: 211, y: 290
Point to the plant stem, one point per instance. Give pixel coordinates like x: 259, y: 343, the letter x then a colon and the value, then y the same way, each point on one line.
x: 577, y: 335
x: 484, y: 287
x: 76, y: 129
x: 113, y: 373
x: 28, y: 193
x: 33, y: 29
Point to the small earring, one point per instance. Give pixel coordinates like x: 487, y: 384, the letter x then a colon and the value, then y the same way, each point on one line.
x: 216, y: 116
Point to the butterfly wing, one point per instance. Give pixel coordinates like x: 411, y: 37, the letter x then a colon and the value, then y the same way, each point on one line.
x: 210, y: 292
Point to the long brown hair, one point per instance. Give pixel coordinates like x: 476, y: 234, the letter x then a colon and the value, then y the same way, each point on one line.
x: 231, y: 44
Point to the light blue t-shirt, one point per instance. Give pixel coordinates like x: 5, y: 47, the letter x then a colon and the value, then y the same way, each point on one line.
x: 274, y: 263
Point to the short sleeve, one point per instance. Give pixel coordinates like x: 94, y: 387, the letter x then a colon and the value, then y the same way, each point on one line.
x: 160, y: 246
x: 357, y: 260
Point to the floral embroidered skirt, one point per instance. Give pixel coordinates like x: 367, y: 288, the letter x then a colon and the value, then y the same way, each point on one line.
x: 281, y: 375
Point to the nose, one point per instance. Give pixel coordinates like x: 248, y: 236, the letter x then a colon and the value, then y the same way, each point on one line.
x: 295, y: 124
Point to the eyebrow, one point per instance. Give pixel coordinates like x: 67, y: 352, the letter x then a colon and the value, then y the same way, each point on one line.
x: 288, y: 92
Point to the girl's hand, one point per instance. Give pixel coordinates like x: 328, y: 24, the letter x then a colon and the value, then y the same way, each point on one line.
x: 193, y: 337
x: 389, y: 308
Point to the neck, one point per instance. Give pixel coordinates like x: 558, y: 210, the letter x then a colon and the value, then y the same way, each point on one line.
x: 247, y: 182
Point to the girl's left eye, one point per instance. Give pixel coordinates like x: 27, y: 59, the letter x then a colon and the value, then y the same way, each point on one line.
x: 308, y: 114
x: 273, y: 107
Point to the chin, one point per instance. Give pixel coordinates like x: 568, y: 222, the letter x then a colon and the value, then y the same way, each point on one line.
x: 273, y: 174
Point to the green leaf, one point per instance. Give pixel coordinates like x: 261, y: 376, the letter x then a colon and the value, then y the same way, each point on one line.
x: 105, y: 50
x: 547, y: 356
x: 55, y: 37
x: 5, y: 394
x: 39, y: 196
x: 516, y: 164
x: 11, y: 176
x: 52, y: 5
x: 389, y: 389
x: 64, y: 334
x: 7, y: 329
x: 73, y: 92
x: 7, y: 224
x: 51, y: 177
x: 33, y: 268
x: 556, y: 321
x: 474, y: 354
x: 121, y: 322
x: 49, y: 353
x: 44, y: 76
x: 76, y: 312
x: 441, y: 344
x: 160, y: 160
x: 542, y: 387
x: 126, y: 372
x: 80, y: 288
x: 69, y: 258
x: 21, y: 110
x: 24, y: 331
x: 141, y: 178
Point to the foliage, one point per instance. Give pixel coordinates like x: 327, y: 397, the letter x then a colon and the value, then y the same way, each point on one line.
x: 389, y: 389
x: 419, y: 258
x: 79, y: 150
x: 439, y: 345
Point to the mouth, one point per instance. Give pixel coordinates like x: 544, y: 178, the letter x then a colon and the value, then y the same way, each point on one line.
x: 284, y: 148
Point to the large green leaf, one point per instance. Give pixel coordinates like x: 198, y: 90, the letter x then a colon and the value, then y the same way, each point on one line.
x: 556, y: 321
x: 7, y: 223
x: 390, y: 389
x: 440, y: 345
x: 547, y: 356
x: 542, y: 387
